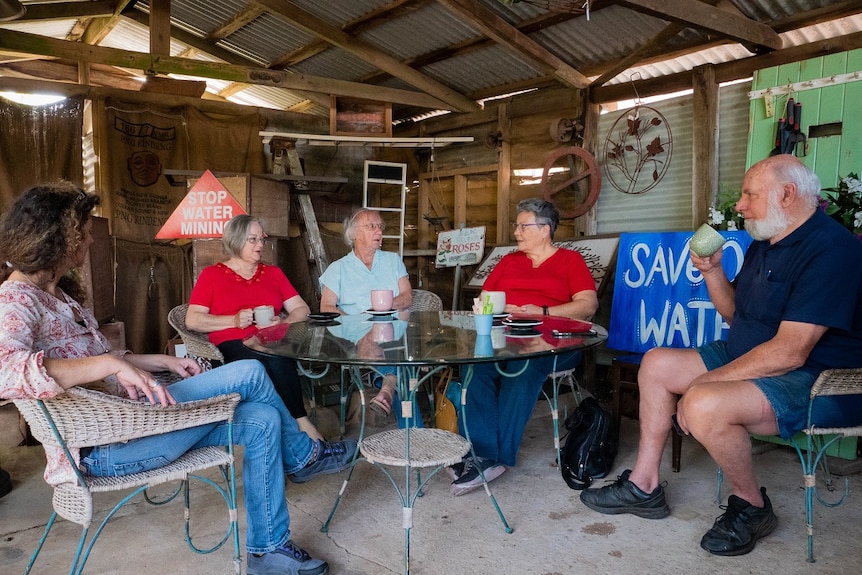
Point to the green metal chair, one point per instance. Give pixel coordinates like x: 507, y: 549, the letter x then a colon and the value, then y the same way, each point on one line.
x: 813, y: 442
x: 84, y: 418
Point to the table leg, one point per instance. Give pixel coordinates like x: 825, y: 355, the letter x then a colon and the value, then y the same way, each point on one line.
x: 466, y: 383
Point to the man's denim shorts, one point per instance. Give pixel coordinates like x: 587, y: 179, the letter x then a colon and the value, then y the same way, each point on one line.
x: 788, y: 395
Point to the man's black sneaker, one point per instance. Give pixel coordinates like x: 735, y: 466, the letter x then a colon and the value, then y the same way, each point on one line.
x: 623, y: 496
x: 330, y: 457
x: 737, y: 530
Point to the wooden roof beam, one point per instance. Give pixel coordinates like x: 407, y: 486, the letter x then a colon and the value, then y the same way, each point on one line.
x: 699, y: 15
x: 98, y: 28
x: 492, y: 25
x: 68, y: 10
x: 20, y: 42
x: 367, y: 21
x: 289, y: 12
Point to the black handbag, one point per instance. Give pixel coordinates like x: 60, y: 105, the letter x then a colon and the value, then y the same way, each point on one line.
x: 591, y: 444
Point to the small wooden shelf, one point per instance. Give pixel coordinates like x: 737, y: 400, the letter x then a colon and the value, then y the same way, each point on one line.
x: 358, y: 117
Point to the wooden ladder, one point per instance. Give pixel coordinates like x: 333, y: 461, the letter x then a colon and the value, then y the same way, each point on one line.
x: 286, y: 161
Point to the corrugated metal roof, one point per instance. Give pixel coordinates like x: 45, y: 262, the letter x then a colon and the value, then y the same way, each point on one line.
x: 450, y: 48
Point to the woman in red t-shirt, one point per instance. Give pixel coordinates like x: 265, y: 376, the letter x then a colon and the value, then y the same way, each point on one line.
x: 539, y: 279
x: 225, y: 295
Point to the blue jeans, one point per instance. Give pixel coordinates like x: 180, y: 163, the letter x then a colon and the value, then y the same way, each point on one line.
x: 273, y: 444
x: 789, y: 394
x: 499, y: 407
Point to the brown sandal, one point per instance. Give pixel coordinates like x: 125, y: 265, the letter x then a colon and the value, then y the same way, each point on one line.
x: 381, y: 403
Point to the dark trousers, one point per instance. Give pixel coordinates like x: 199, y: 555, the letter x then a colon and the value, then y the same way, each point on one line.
x: 281, y: 370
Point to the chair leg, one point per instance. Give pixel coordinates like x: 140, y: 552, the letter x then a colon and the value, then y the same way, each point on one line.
x: 676, y: 451
x: 41, y: 543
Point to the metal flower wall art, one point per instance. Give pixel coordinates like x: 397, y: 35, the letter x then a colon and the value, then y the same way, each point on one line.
x: 637, y: 150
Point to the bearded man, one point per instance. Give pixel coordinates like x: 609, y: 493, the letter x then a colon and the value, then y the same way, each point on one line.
x: 794, y: 310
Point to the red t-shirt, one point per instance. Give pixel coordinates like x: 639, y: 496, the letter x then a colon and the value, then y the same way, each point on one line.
x: 554, y: 282
x: 225, y: 292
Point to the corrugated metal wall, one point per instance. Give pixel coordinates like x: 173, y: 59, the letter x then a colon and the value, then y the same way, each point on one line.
x: 667, y: 207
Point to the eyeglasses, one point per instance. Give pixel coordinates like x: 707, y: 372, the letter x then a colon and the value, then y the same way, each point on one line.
x: 378, y: 226
x: 254, y: 240
x: 516, y: 227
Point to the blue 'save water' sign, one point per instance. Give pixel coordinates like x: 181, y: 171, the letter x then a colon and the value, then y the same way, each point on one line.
x: 660, y: 298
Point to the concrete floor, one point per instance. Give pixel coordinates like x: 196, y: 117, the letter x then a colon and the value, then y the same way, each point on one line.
x: 554, y: 533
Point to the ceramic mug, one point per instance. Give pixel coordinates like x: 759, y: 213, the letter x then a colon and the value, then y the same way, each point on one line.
x: 263, y: 315
x: 706, y: 241
x: 381, y: 299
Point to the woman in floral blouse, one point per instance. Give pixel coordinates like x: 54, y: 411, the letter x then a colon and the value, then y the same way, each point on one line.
x: 49, y: 342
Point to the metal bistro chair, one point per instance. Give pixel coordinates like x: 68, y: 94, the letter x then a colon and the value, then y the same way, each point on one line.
x: 558, y: 379
x: 83, y: 418
x: 812, y: 442
x: 411, y: 449
x: 197, y: 344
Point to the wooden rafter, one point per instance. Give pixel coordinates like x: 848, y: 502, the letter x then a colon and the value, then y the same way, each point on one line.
x: 20, y: 42
x: 705, y: 17
x: 492, y: 25
x: 334, y: 35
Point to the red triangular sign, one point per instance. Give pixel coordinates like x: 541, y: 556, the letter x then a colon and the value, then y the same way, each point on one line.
x: 203, y: 212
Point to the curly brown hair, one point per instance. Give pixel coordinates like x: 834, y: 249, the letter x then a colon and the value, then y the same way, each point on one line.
x: 42, y: 228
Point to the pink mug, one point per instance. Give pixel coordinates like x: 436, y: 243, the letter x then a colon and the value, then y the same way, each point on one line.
x: 381, y: 299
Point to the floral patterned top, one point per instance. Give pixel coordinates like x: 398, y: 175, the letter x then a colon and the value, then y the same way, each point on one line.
x: 35, y: 325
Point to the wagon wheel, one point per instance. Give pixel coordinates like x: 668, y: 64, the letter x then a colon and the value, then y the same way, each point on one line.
x: 571, y: 180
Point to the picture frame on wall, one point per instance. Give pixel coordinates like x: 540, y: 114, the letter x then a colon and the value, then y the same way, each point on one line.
x: 599, y: 253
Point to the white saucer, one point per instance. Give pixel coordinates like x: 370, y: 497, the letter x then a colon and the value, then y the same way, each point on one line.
x: 524, y: 334
x: 388, y: 312
x: 521, y: 323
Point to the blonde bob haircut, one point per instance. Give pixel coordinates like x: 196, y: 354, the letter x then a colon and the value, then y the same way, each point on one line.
x: 236, y: 233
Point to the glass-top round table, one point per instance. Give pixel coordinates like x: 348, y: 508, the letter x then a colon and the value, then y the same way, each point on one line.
x: 422, y: 338
x: 416, y: 345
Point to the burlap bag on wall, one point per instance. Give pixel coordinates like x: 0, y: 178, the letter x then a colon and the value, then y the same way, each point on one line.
x: 225, y: 143
x: 136, y: 144
x: 39, y: 144
x: 151, y: 279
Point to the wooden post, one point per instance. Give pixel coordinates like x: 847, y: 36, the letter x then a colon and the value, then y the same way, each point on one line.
x: 704, y: 170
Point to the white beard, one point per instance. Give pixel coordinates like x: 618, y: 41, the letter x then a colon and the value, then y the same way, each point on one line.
x: 775, y: 222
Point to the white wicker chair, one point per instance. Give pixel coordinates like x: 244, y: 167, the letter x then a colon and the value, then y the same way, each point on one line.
x: 812, y: 452
x: 85, y: 418
x: 812, y: 443
x: 424, y: 300
x: 197, y: 344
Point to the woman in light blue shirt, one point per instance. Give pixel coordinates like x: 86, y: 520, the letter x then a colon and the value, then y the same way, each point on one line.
x: 347, y: 283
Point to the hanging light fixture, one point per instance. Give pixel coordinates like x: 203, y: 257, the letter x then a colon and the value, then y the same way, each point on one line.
x: 11, y: 10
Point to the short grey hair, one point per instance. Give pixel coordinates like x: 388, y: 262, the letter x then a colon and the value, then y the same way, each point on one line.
x: 236, y: 233
x: 807, y: 182
x: 349, y: 233
x: 546, y: 213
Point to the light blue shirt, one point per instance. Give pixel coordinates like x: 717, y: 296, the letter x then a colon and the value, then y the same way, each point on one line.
x: 352, y: 281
